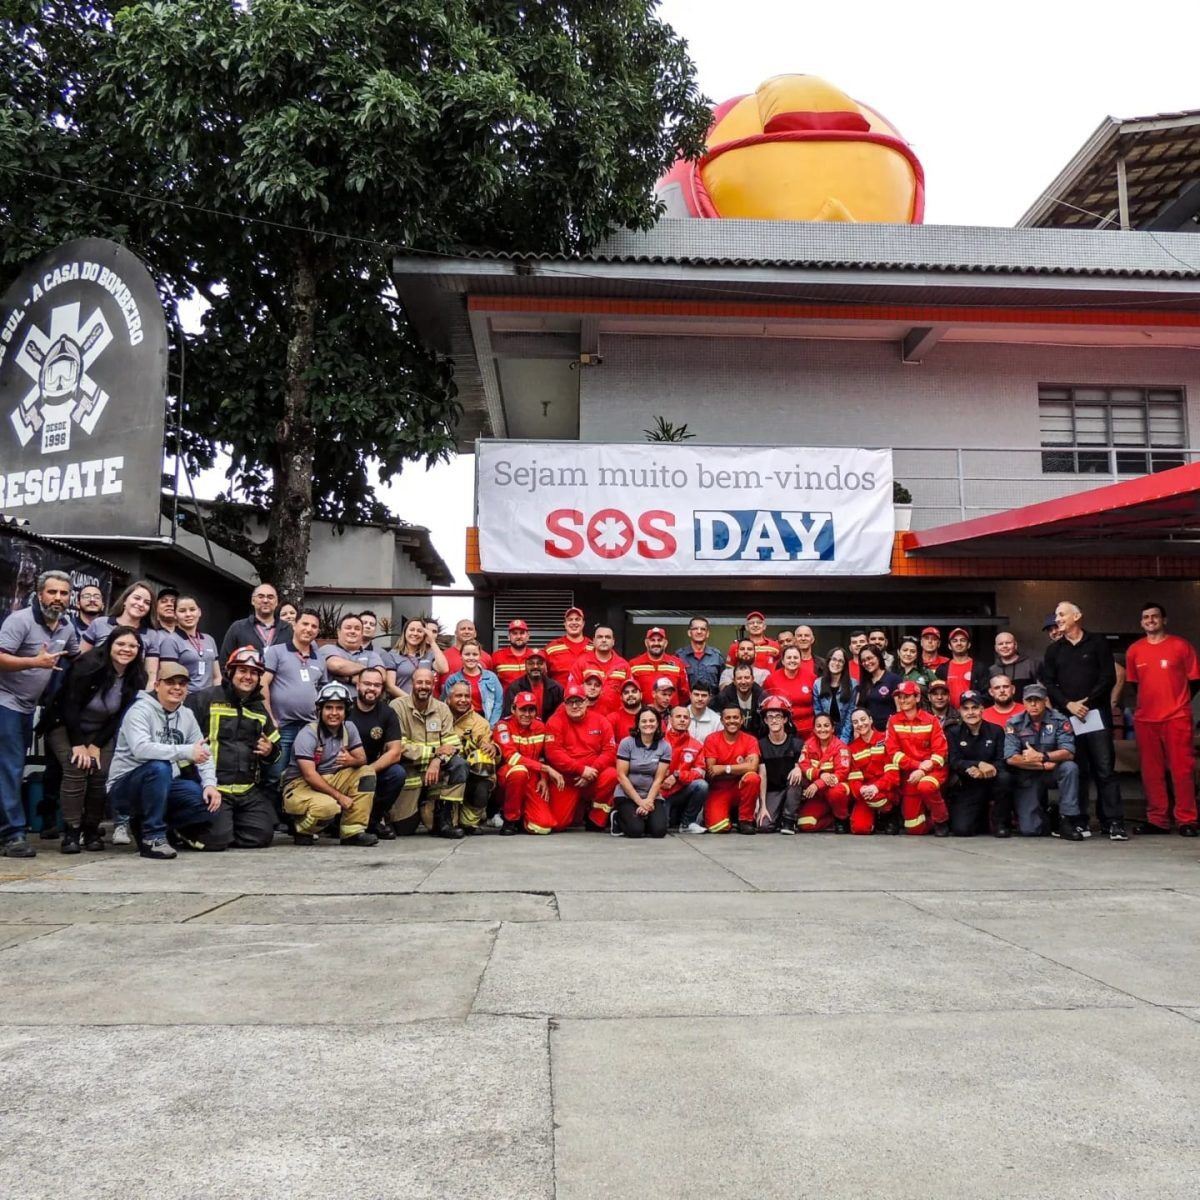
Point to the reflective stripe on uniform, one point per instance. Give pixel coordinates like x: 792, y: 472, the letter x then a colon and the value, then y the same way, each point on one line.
x: 530, y: 827
x: 913, y: 822
x: 807, y: 821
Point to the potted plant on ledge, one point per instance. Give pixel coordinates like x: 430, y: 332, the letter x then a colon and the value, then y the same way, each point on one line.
x: 902, y: 501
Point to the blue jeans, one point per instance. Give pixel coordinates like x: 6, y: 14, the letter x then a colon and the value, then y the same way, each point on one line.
x: 15, y: 730
x: 389, y: 782
x: 150, y: 792
x: 687, y: 805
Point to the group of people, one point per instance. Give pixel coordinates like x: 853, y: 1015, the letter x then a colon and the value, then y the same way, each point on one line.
x: 187, y: 745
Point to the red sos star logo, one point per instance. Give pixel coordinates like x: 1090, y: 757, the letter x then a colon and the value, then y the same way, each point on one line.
x: 610, y: 533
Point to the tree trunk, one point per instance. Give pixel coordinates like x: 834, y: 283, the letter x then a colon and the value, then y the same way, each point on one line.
x: 289, y: 529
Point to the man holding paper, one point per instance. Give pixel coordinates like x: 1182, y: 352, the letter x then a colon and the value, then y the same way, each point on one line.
x: 1079, y: 673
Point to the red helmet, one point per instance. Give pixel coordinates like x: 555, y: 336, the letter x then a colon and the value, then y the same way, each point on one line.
x: 245, y: 656
x: 775, y: 704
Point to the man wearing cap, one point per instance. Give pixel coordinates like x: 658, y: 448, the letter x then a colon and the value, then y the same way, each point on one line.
x: 599, y: 699
x: 1050, y: 627
x: 731, y: 760
x: 563, y: 653
x: 509, y: 661
x: 328, y: 775
x: 701, y: 661
x: 1080, y: 674
x: 614, y: 669
x: 647, y: 668
x: 766, y: 650
x: 939, y: 704
x: 157, y: 736
x: 977, y: 766
x: 746, y: 656
x: 242, y: 739
x: 663, y: 698
x: 931, y: 646
x: 581, y: 748
x: 1039, y: 748
x: 745, y: 695
x: 1166, y: 672
x: 623, y: 717
x: 379, y: 728
x: 547, y: 694
x: 436, y: 773
x: 525, y: 776
x: 916, y: 760
x: 1020, y: 668
x: 1004, y: 704
x: 961, y: 672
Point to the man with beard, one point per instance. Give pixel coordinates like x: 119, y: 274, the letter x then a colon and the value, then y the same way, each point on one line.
x: 623, y: 718
x: 547, y: 694
x: 745, y: 695
x: 259, y: 629
x: 242, y: 738
x: 745, y: 658
x: 379, y: 728
x: 646, y: 669
x: 509, y: 661
x: 525, y: 776
x: 563, y: 653
x: 481, y: 754
x: 32, y: 641
x: 580, y: 747
x: 766, y: 650
x: 89, y: 605
x: 602, y: 656
x: 436, y: 771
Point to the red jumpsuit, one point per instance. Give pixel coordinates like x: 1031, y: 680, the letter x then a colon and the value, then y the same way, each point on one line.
x: 562, y: 655
x: 868, y: 764
x: 570, y: 747
x: 615, y: 668
x: 521, y: 752
x: 910, y: 741
x: 509, y: 664
x: 687, y: 760
x: 644, y: 670
x: 725, y: 791
x: 798, y: 692
x: 831, y: 800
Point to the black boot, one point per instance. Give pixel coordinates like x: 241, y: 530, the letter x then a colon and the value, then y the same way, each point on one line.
x: 92, y: 838
x: 443, y: 822
x: 70, y: 839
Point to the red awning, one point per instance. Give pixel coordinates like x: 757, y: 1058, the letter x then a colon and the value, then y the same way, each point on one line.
x: 1150, y: 514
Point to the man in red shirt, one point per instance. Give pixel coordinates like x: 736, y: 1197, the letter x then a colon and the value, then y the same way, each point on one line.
x: 931, y: 645
x: 580, y: 746
x: 766, y: 650
x: 916, y: 759
x: 685, y: 788
x: 1165, y: 669
x: 598, y: 700
x: 523, y: 772
x: 564, y: 652
x: 615, y: 669
x: 731, y: 761
x: 1004, y: 704
x: 646, y: 668
x: 961, y: 672
x: 623, y: 715
x: 509, y: 661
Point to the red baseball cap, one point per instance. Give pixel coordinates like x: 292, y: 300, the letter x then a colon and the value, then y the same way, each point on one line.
x: 593, y: 673
x: 517, y: 624
x: 535, y: 652
x: 956, y: 631
x: 664, y: 681
x: 656, y: 629
x: 908, y: 687
x: 571, y: 610
x: 757, y: 614
x: 931, y: 629
x: 524, y: 700
x: 574, y: 692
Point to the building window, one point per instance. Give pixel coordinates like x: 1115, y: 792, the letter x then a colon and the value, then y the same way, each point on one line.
x: 1111, y: 431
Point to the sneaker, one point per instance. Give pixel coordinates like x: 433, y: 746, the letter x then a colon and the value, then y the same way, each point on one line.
x: 93, y: 839
x: 509, y: 828
x: 1148, y: 827
x: 70, y: 840
x: 120, y: 834
x: 366, y: 838
x: 18, y: 847
x: 1002, y: 831
x: 496, y: 821
x: 614, y: 828
x: 1068, y: 831
x: 159, y: 848
x: 842, y: 826
x: 695, y: 827
x: 789, y: 830
x: 1117, y: 831
x: 747, y: 827
x: 1188, y: 830
x: 1085, y: 830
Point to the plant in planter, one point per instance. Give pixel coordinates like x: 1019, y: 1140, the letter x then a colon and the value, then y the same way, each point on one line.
x: 902, y: 506
x: 667, y: 431
x: 900, y: 494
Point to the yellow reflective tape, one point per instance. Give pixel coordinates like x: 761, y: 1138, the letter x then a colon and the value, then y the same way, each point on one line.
x: 604, y: 808
x: 807, y: 821
x: 938, y: 759
x: 530, y: 827
x: 914, y: 822
x: 719, y: 827
x: 514, y: 760
x: 877, y: 803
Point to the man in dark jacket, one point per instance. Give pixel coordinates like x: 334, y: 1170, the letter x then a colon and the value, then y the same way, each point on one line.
x: 259, y: 629
x: 978, y: 770
x: 745, y: 694
x: 241, y: 738
x: 546, y: 692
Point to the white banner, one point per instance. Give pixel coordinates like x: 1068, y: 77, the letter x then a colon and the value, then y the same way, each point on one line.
x: 552, y: 508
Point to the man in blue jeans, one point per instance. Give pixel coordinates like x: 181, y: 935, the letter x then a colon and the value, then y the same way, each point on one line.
x: 157, y: 734
x: 32, y: 640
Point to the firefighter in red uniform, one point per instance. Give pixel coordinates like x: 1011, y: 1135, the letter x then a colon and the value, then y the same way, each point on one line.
x: 598, y: 700
x: 580, y: 746
x: 614, y: 669
x: 916, y: 760
x: 731, y: 759
x: 931, y: 645
x: 871, y: 787
x: 766, y: 650
x: 523, y: 772
x: 825, y: 765
x: 684, y: 789
x: 646, y: 668
x: 509, y: 661
x: 563, y: 653
x: 961, y: 672
x: 623, y: 715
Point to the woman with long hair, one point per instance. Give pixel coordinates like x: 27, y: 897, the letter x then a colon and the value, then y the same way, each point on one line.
x: 417, y: 647
x: 876, y: 687
x: 642, y: 764
x: 80, y: 726
x: 131, y: 609
x: 833, y: 695
x: 186, y: 645
x: 793, y: 679
x: 909, y: 665
x: 487, y: 693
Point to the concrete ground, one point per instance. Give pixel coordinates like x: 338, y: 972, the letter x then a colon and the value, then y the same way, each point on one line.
x: 581, y: 1016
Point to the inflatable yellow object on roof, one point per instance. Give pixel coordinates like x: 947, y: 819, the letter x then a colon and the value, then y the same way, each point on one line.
x: 799, y: 149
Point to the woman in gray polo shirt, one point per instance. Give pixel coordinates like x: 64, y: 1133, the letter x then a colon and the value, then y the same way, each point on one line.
x: 642, y: 764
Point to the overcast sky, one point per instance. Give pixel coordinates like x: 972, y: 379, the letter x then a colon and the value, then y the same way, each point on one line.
x: 995, y: 99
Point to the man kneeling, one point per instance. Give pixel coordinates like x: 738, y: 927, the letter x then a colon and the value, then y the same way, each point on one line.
x: 156, y: 735
x: 328, y: 774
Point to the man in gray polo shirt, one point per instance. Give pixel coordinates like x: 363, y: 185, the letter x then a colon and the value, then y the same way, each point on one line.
x: 295, y: 672
x: 32, y: 640
x: 344, y: 660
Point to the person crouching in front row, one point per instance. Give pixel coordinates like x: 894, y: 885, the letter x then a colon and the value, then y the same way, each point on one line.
x: 731, y: 757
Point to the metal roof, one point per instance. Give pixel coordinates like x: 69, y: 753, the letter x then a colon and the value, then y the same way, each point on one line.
x: 1159, y: 158
x: 18, y: 527
x: 835, y: 247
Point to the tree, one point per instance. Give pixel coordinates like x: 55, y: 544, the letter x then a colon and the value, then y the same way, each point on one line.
x: 271, y: 154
